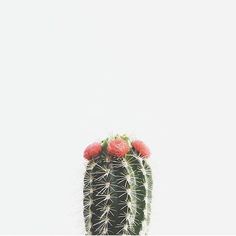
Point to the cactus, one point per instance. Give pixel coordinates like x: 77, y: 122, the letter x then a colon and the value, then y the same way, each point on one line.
x: 117, y: 187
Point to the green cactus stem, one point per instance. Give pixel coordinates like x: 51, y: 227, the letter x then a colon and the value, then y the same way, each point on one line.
x: 117, y: 188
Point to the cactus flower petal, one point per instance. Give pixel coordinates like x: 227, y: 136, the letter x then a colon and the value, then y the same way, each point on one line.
x: 118, y: 147
x: 141, y: 148
x: 92, y: 151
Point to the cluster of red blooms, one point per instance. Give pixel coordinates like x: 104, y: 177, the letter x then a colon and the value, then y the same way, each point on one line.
x: 117, y: 147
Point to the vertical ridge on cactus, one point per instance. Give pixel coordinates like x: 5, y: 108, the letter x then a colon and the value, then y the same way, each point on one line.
x: 117, y: 189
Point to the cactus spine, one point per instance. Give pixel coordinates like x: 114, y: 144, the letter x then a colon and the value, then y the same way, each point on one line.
x: 117, y: 188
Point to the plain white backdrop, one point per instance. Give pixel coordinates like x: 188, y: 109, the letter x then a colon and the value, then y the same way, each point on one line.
x: 75, y: 72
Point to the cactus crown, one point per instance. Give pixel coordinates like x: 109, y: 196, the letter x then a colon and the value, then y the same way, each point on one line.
x: 117, y: 187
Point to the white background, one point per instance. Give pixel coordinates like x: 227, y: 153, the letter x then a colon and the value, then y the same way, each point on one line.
x: 74, y: 72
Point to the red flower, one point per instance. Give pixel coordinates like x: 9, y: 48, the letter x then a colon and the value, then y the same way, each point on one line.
x: 92, y: 150
x: 141, y: 148
x: 118, y: 147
